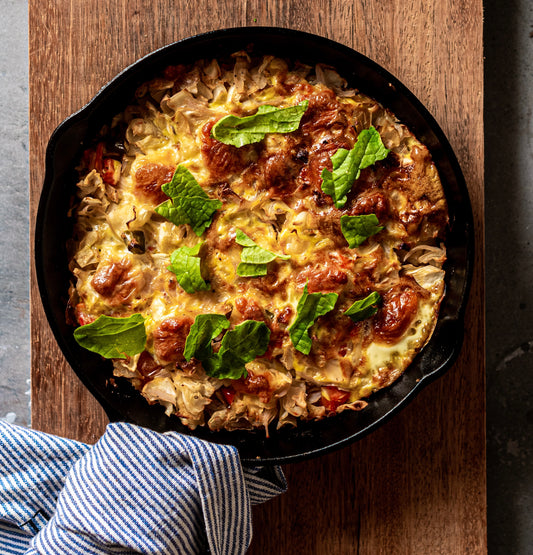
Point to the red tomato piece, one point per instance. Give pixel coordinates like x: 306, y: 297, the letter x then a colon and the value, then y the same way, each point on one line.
x: 228, y: 393
x: 333, y: 398
x: 110, y: 171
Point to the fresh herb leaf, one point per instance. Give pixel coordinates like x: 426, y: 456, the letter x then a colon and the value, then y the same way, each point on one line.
x: 185, y: 263
x: 240, y: 345
x: 205, y: 328
x: 188, y: 202
x: 237, y: 131
x: 251, y: 270
x: 243, y: 240
x: 357, y: 229
x: 113, y: 337
x: 310, y: 307
x: 363, y: 309
x: 258, y: 255
x: 347, y: 164
x: 254, y: 259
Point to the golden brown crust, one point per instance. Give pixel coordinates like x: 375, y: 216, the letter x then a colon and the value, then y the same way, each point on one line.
x: 149, y: 178
x: 169, y: 338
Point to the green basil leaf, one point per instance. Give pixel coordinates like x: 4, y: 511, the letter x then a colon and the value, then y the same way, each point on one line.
x: 185, y: 263
x: 357, y: 229
x: 188, y: 203
x: 310, y: 307
x: 237, y: 131
x: 238, y: 346
x: 258, y: 255
x: 205, y: 328
x: 363, y: 309
x: 242, y: 239
x: 251, y: 270
x: 347, y: 164
x: 253, y: 257
x: 113, y: 337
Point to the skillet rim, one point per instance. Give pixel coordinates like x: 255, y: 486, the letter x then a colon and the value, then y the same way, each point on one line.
x: 450, y: 327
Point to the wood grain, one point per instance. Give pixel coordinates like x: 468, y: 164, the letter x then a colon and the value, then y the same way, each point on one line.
x: 417, y: 485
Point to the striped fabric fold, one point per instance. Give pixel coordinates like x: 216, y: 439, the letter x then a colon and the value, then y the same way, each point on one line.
x: 33, y: 469
x: 135, y: 491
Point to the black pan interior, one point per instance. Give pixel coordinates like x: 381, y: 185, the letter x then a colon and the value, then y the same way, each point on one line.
x: 53, y: 229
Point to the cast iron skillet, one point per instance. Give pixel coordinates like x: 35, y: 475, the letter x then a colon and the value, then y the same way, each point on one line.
x: 53, y: 228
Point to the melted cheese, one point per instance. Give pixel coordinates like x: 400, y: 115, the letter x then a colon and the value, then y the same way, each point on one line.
x: 281, y: 207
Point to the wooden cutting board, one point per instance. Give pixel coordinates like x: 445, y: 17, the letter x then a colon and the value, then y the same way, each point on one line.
x: 417, y: 485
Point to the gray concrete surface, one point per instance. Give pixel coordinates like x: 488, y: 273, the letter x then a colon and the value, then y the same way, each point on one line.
x: 509, y: 273
x: 509, y: 254
x: 14, y: 234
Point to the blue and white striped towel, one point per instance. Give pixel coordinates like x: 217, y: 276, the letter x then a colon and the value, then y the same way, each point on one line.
x: 135, y: 491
